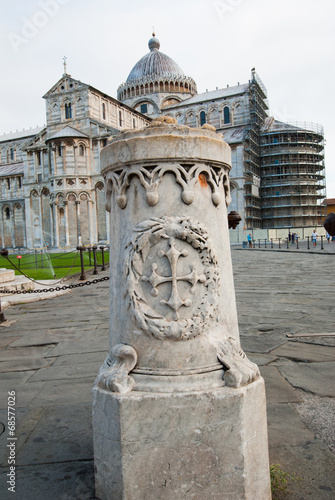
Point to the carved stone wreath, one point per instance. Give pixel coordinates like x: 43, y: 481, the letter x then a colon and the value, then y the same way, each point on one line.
x: 168, y: 232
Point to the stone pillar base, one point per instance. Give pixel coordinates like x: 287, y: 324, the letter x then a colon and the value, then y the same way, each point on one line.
x: 175, y: 446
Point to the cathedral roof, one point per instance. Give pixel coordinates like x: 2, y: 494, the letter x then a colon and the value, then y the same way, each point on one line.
x: 67, y: 132
x: 213, y: 94
x: 12, y: 169
x: 155, y: 63
x: 20, y: 134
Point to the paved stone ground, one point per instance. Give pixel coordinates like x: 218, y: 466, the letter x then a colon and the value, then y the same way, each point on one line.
x: 51, y: 352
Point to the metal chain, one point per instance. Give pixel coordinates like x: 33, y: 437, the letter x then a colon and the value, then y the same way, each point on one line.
x: 57, y: 288
x: 38, y: 282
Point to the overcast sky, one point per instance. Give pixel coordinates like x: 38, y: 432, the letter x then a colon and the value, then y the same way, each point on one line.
x: 290, y: 42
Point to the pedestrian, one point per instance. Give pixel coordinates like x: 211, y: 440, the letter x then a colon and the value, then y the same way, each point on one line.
x: 328, y: 237
x: 314, y: 237
x: 289, y: 236
x: 249, y: 238
x: 292, y: 238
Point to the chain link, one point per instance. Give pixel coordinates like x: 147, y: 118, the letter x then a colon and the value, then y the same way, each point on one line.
x: 57, y: 288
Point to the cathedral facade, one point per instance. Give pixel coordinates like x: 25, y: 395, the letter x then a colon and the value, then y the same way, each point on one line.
x: 51, y: 189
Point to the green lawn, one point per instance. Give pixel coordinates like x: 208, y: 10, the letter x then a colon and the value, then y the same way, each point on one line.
x: 49, y: 265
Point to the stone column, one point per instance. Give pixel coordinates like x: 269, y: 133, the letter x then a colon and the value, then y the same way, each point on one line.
x: 78, y: 222
x: 56, y: 225
x: 178, y: 409
x: 66, y: 217
x: 41, y: 220
x: 2, y: 226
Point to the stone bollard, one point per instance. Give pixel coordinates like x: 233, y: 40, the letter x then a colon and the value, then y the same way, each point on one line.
x: 178, y: 409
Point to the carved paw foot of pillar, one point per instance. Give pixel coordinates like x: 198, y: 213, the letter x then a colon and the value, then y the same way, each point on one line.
x: 239, y: 369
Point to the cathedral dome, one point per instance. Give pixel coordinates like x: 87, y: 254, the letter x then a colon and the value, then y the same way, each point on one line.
x: 156, y: 73
x: 155, y: 63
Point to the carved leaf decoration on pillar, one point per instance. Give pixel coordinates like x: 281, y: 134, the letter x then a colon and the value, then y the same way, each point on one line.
x: 114, y: 373
x: 150, y: 177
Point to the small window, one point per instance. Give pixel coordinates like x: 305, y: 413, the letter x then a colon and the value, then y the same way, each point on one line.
x: 12, y: 153
x: 81, y: 150
x: 68, y: 111
x: 120, y: 118
x: 39, y: 178
x: 134, y: 124
x: 202, y: 118
x: 104, y: 143
x: 59, y: 150
x: 103, y: 111
x: 7, y: 211
x: 226, y: 115
x: 20, y: 182
x: 8, y: 183
x: 39, y: 159
x: 144, y: 108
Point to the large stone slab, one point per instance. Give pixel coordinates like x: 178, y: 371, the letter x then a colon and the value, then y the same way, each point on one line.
x: 25, y: 392
x: 20, y: 353
x: 204, y: 445
x: 305, y: 352
x: 60, y: 481
x: 65, y: 392
x: 82, y: 370
x: 285, y: 426
x: 313, y: 463
x: 278, y: 390
x: 261, y: 343
x: 317, y: 378
x: 76, y: 359
x: 6, y: 275
x: 54, y: 438
x: 24, y: 364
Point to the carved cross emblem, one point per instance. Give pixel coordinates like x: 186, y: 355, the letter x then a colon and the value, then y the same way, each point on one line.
x: 175, y: 301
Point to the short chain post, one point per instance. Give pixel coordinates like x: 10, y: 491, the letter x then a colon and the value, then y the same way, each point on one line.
x: 259, y: 243
x: 94, y: 248
x: 265, y: 243
x: 297, y: 243
x: 279, y: 242
x: 271, y: 242
x: 322, y: 243
x: 287, y: 243
x: 308, y: 247
x: 82, y: 276
x: 102, y: 258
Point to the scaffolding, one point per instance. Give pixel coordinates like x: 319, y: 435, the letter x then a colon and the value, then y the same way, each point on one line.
x: 252, y: 165
x: 293, y: 175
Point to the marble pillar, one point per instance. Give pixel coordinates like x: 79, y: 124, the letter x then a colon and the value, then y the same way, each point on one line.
x: 178, y: 409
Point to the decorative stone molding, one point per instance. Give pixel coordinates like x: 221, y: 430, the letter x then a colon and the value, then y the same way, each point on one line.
x: 239, y: 369
x: 151, y: 177
x: 157, y: 238
x: 114, y: 373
